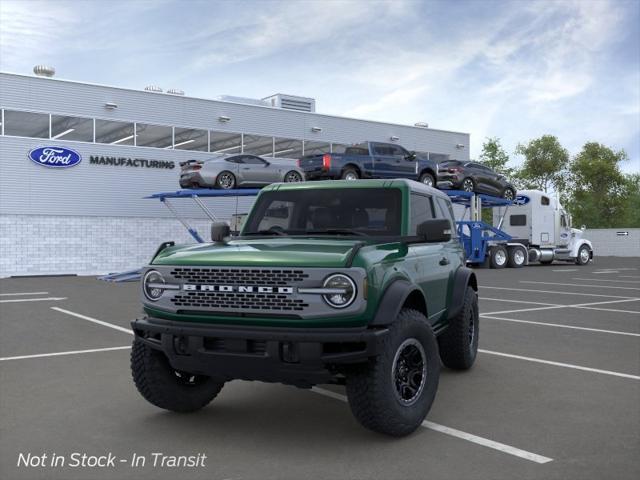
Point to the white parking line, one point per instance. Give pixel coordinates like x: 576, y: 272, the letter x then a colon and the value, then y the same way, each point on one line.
x: 607, y: 280
x: 517, y: 301
x: 469, y: 437
x: 57, y: 354
x: 606, y: 271
x: 23, y: 293
x: 566, y: 270
x: 580, y: 285
x: 93, y: 320
x: 528, y: 290
x: 47, y: 299
x: 560, y: 364
x: 629, y: 276
x: 597, y: 330
x: 589, y: 306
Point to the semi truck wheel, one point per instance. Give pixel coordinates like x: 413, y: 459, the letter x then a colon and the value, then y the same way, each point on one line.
x: 584, y: 255
x: 499, y: 257
x: 517, y: 257
x: 458, y: 345
x: 394, y: 393
x: 164, y: 387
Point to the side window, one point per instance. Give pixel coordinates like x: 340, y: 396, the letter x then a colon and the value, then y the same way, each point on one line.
x: 544, y: 200
x: 518, y: 220
x: 397, y: 151
x: 563, y: 221
x: 235, y: 160
x: 446, y: 211
x: 382, y: 149
x: 250, y: 159
x: 421, y: 210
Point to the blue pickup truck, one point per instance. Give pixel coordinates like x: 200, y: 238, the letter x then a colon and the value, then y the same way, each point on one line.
x: 370, y: 160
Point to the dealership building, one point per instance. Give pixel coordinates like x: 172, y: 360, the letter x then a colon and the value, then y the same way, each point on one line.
x: 91, y: 217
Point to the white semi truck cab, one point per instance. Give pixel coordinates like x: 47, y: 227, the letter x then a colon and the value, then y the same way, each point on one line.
x: 537, y: 221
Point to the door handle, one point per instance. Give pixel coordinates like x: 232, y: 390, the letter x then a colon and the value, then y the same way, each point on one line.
x: 444, y: 261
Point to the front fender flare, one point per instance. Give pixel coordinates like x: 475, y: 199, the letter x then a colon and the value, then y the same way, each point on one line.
x: 392, y: 301
x: 463, y: 277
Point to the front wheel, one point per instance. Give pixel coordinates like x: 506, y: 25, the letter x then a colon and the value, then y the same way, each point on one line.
x: 393, y: 393
x: 584, y: 255
x: 163, y: 386
x: 508, y: 194
x: 427, y: 179
x: 226, y: 180
x: 292, y: 177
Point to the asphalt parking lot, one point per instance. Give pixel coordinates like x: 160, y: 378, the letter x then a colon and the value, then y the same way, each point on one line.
x: 554, y: 394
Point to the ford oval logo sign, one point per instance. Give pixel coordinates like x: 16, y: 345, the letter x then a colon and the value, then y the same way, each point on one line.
x: 55, y: 157
x: 521, y: 200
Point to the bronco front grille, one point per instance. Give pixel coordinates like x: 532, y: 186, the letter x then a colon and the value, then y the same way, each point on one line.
x: 238, y: 301
x: 232, y: 276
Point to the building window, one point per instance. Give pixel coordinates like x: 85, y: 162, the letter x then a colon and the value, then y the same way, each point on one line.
x: 26, y: 124
x: 157, y: 136
x: 287, y: 148
x: 115, y: 133
x: 258, y: 145
x: 316, y: 148
x: 71, y: 128
x: 225, y: 143
x: 191, y: 139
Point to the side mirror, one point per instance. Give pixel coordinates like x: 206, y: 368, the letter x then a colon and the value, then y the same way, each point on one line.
x: 411, y: 156
x: 219, y: 232
x: 435, y: 230
x: 583, y: 227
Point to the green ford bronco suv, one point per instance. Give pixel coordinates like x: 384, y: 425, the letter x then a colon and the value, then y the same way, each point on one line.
x: 357, y: 283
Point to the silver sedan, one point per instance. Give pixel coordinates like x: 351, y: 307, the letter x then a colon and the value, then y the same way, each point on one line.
x: 237, y: 171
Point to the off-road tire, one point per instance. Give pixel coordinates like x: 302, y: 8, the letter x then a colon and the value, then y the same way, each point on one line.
x: 459, y: 343
x: 371, y: 388
x: 348, y: 173
x: 161, y: 386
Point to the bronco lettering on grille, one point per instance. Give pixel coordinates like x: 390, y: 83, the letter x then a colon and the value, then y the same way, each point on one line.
x: 237, y: 289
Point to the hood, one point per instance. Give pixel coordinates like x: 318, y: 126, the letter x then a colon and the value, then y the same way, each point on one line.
x: 271, y: 252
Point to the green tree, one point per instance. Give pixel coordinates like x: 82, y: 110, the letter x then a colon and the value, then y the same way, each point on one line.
x: 545, y: 164
x: 598, y: 191
x: 631, y: 211
x: 495, y: 157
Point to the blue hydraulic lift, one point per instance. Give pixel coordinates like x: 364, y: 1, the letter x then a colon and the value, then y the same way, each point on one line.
x: 477, y: 236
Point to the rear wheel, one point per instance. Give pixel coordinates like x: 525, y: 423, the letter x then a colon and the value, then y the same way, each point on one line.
x: 517, y: 257
x: 350, y: 174
x: 499, y: 257
x: 226, y: 180
x: 292, y: 177
x: 584, y: 255
x: 427, y: 179
x: 163, y: 386
x: 468, y: 185
x: 394, y: 392
x: 459, y: 342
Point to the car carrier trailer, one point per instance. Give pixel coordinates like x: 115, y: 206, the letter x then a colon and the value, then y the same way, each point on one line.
x: 532, y: 228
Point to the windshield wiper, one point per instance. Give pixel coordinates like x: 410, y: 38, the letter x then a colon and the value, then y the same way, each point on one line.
x: 338, y: 231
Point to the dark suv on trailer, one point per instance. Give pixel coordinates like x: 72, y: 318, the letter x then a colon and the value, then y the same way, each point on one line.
x: 474, y: 177
x: 356, y: 283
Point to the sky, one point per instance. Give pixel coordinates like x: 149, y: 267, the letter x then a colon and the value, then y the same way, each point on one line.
x: 509, y: 69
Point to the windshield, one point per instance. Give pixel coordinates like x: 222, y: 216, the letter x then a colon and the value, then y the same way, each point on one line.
x: 331, y: 211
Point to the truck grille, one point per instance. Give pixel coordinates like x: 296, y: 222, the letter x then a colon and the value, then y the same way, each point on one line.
x: 238, y: 301
x: 233, y: 276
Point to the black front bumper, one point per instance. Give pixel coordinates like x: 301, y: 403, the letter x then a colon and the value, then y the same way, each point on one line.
x: 297, y: 356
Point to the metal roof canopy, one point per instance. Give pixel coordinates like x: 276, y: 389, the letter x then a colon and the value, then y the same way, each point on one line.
x: 465, y: 198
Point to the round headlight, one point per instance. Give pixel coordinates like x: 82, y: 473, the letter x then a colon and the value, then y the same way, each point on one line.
x: 150, y: 285
x: 343, y: 291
